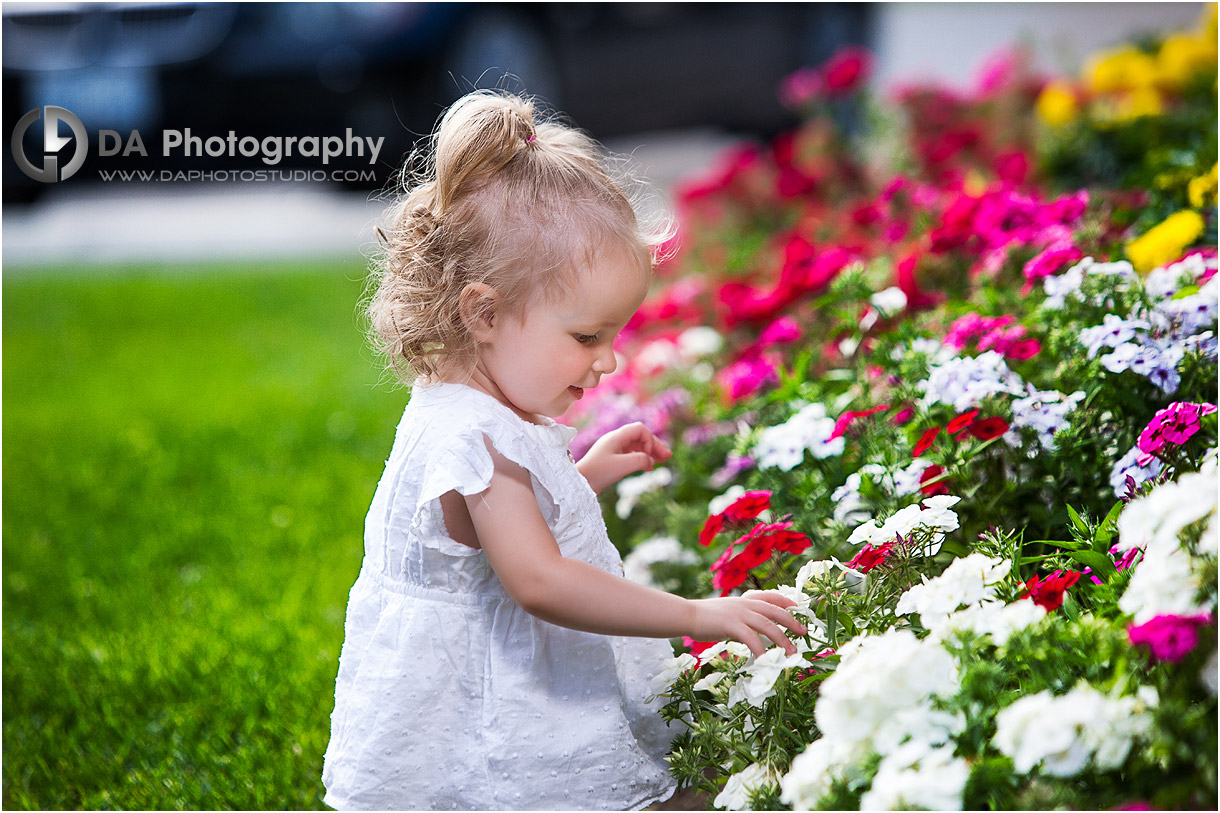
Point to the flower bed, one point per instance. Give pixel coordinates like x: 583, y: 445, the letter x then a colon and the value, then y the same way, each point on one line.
x: 943, y: 371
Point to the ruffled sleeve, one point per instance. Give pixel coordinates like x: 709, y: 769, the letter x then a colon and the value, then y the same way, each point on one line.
x: 452, y: 454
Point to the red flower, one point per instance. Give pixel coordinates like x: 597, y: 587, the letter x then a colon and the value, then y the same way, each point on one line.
x: 847, y: 417
x: 869, y: 557
x: 904, y: 278
x: 727, y: 572
x: 989, y: 428
x: 791, y: 542
x: 961, y: 421
x: 844, y: 72
x: 713, y: 526
x: 747, y: 506
x: 925, y: 442
x: 1048, y: 593
x: 697, y: 648
x: 932, y: 489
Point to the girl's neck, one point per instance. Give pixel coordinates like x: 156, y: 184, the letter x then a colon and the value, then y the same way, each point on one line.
x: 477, y: 379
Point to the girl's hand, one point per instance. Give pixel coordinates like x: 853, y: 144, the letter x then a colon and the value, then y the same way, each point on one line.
x: 624, y: 451
x: 745, y: 619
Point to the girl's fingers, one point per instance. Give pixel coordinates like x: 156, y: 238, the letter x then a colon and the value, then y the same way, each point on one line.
x: 782, y: 617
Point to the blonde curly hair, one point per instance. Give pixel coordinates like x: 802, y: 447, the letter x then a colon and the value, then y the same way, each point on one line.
x: 506, y: 198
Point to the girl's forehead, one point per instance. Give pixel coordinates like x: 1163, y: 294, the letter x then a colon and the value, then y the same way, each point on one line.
x: 607, y: 291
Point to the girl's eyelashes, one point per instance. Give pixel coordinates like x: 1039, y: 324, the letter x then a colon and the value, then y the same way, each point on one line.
x: 586, y: 338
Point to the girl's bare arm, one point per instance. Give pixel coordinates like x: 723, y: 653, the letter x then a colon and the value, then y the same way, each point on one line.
x: 571, y: 593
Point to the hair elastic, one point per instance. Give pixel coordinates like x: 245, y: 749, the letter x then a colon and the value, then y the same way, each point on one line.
x: 530, y: 140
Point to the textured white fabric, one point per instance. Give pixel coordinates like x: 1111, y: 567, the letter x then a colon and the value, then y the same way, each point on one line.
x: 449, y: 695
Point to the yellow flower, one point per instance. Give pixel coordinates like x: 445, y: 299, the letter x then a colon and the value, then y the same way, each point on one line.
x: 1140, y: 102
x: 1201, y: 189
x: 1120, y: 69
x: 1057, y: 103
x: 1165, y: 242
x: 1183, y: 57
x: 1207, y: 22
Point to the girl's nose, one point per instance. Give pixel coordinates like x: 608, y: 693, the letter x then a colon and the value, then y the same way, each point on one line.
x: 606, y: 362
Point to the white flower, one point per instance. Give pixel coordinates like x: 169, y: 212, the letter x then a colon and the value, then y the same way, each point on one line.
x: 657, y: 355
x: 1045, y: 412
x: 784, y: 446
x: 764, y: 671
x: 868, y: 532
x: 936, y: 514
x: 671, y: 670
x: 699, y: 341
x: 878, y: 675
x: 1207, y: 676
x: 889, y: 301
x: 813, y: 771
x: 718, y: 504
x: 735, y: 795
x: 964, y: 382
x: 992, y: 618
x: 637, y: 565
x: 918, y: 723
x: 813, y: 570
x: 903, y: 521
x: 1164, y: 583
x: 1128, y: 465
x: 1062, y: 733
x: 967, y: 581
x: 916, y: 776
x: 1156, y: 520
x: 907, y: 481
x: 708, y: 681
x: 734, y: 648
x: 630, y: 489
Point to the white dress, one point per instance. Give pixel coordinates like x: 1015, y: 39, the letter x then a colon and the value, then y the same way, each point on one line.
x: 449, y: 695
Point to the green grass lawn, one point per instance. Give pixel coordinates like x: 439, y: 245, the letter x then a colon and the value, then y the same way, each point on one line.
x: 188, y: 458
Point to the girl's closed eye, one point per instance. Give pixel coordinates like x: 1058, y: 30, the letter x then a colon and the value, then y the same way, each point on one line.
x: 586, y: 338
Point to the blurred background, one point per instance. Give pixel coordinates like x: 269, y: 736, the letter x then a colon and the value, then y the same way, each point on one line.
x: 671, y: 83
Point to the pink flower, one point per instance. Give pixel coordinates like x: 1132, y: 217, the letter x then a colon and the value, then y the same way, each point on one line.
x: 1175, y: 424
x: 903, y: 416
x: 1169, y: 637
x: 846, y: 71
x: 783, y: 330
x: 1025, y: 349
x: 799, y: 88
x: 747, y: 376
x: 1048, y: 263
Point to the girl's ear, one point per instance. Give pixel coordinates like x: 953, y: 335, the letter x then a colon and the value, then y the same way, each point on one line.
x: 477, y: 307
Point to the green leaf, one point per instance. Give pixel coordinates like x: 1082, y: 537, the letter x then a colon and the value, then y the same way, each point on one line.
x: 1077, y: 521
x: 1103, y: 566
x: 1055, y: 543
x: 1105, y: 531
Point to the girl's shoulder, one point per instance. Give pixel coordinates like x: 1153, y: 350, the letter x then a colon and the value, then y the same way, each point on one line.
x: 461, y: 415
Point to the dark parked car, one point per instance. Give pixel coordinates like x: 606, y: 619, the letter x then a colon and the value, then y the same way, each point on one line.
x: 390, y: 68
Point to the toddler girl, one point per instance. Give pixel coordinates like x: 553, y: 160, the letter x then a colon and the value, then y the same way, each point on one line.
x: 494, y: 655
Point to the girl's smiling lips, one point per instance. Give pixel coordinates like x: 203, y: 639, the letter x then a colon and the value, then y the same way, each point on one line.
x: 577, y: 392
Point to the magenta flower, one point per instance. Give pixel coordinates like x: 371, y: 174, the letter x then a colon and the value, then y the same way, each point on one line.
x: 747, y: 376
x: 1169, y: 637
x: 1175, y: 424
x: 783, y: 330
x: 1048, y: 263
